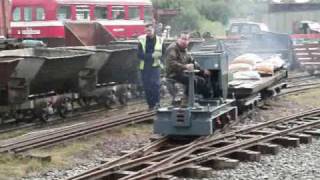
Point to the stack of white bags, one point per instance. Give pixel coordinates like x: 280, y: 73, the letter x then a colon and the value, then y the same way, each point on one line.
x: 252, y: 66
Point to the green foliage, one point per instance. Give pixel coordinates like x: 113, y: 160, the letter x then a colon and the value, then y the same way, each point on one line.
x: 208, y: 15
x: 215, y: 28
x: 214, y: 10
x: 188, y: 20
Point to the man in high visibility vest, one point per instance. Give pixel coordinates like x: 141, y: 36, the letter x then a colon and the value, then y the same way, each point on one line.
x: 150, y: 51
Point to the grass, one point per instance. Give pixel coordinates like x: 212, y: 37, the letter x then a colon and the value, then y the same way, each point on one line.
x: 12, y: 134
x: 307, y: 98
x: 63, y: 155
x: 12, y: 167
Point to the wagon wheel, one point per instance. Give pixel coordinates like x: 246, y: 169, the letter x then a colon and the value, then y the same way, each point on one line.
x: 41, y: 114
x: 29, y: 115
x: 18, y: 116
x: 85, y: 101
x: 311, y: 71
x: 63, y: 109
x: 123, y: 99
x: 44, y: 116
x: 106, y: 102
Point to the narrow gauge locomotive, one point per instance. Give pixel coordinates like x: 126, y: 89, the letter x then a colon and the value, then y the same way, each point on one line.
x: 44, y: 20
x: 202, y: 116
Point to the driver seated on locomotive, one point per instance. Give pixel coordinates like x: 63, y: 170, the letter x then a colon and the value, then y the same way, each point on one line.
x: 178, y: 61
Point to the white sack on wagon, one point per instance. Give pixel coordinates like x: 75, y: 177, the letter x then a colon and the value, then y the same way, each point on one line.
x: 246, y: 75
x: 265, y: 68
x: 251, y: 59
x: 240, y: 67
x: 276, y: 61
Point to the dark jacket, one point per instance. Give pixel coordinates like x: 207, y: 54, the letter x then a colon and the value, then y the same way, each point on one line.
x: 175, y: 59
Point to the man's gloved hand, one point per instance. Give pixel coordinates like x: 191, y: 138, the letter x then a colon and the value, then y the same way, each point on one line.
x: 207, y: 72
x: 189, y: 67
x: 156, y: 55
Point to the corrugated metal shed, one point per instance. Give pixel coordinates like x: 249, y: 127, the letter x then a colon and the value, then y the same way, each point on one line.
x: 282, y: 17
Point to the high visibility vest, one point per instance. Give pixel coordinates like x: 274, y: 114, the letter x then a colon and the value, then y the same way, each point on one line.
x: 157, y: 48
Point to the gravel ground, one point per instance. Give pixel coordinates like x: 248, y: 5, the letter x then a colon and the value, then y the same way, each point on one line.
x: 298, y: 163
x: 111, y: 147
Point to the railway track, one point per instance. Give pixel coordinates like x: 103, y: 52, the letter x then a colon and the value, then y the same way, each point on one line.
x: 302, y: 80
x: 166, y: 158
x: 56, y: 120
x: 300, y: 83
x: 298, y: 77
x: 299, y: 88
x: 54, y: 136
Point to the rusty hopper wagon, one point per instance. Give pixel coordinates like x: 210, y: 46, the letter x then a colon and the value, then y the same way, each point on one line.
x: 36, y: 75
x: 7, y: 66
x: 110, y: 66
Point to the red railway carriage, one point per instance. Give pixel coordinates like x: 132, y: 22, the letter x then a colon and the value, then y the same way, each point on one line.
x: 44, y: 19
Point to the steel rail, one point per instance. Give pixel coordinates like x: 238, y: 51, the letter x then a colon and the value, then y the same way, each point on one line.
x: 223, y: 151
x: 298, y: 90
x: 167, y: 157
x: 73, y: 132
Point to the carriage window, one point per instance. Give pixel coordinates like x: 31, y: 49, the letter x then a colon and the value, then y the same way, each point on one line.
x: 16, y: 15
x: 234, y: 29
x: 245, y: 29
x: 101, y: 12
x: 117, y: 12
x: 255, y: 29
x: 27, y: 14
x: 40, y: 14
x: 134, y: 12
x: 83, y: 13
x: 148, y: 14
x: 64, y: 12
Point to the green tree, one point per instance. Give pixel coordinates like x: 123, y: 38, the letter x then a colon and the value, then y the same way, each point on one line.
x: 209, y: 15
x: 214, y: 10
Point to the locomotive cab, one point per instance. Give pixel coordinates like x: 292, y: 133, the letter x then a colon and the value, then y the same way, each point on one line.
x: 202, y: 116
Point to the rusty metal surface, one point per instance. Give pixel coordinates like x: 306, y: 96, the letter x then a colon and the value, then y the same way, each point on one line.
x: 7, y: 66
x: 86, y: 34
x: 113, y: 63
x: 122, y: 66
x: 48, y: 69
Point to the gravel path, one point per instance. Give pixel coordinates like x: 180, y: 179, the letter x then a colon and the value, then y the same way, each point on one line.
x: 111, y: 147
x: 298, y: 163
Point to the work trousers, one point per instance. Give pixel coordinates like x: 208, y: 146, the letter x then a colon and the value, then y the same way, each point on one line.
x: 151, y: 84
x: 201, y: 84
